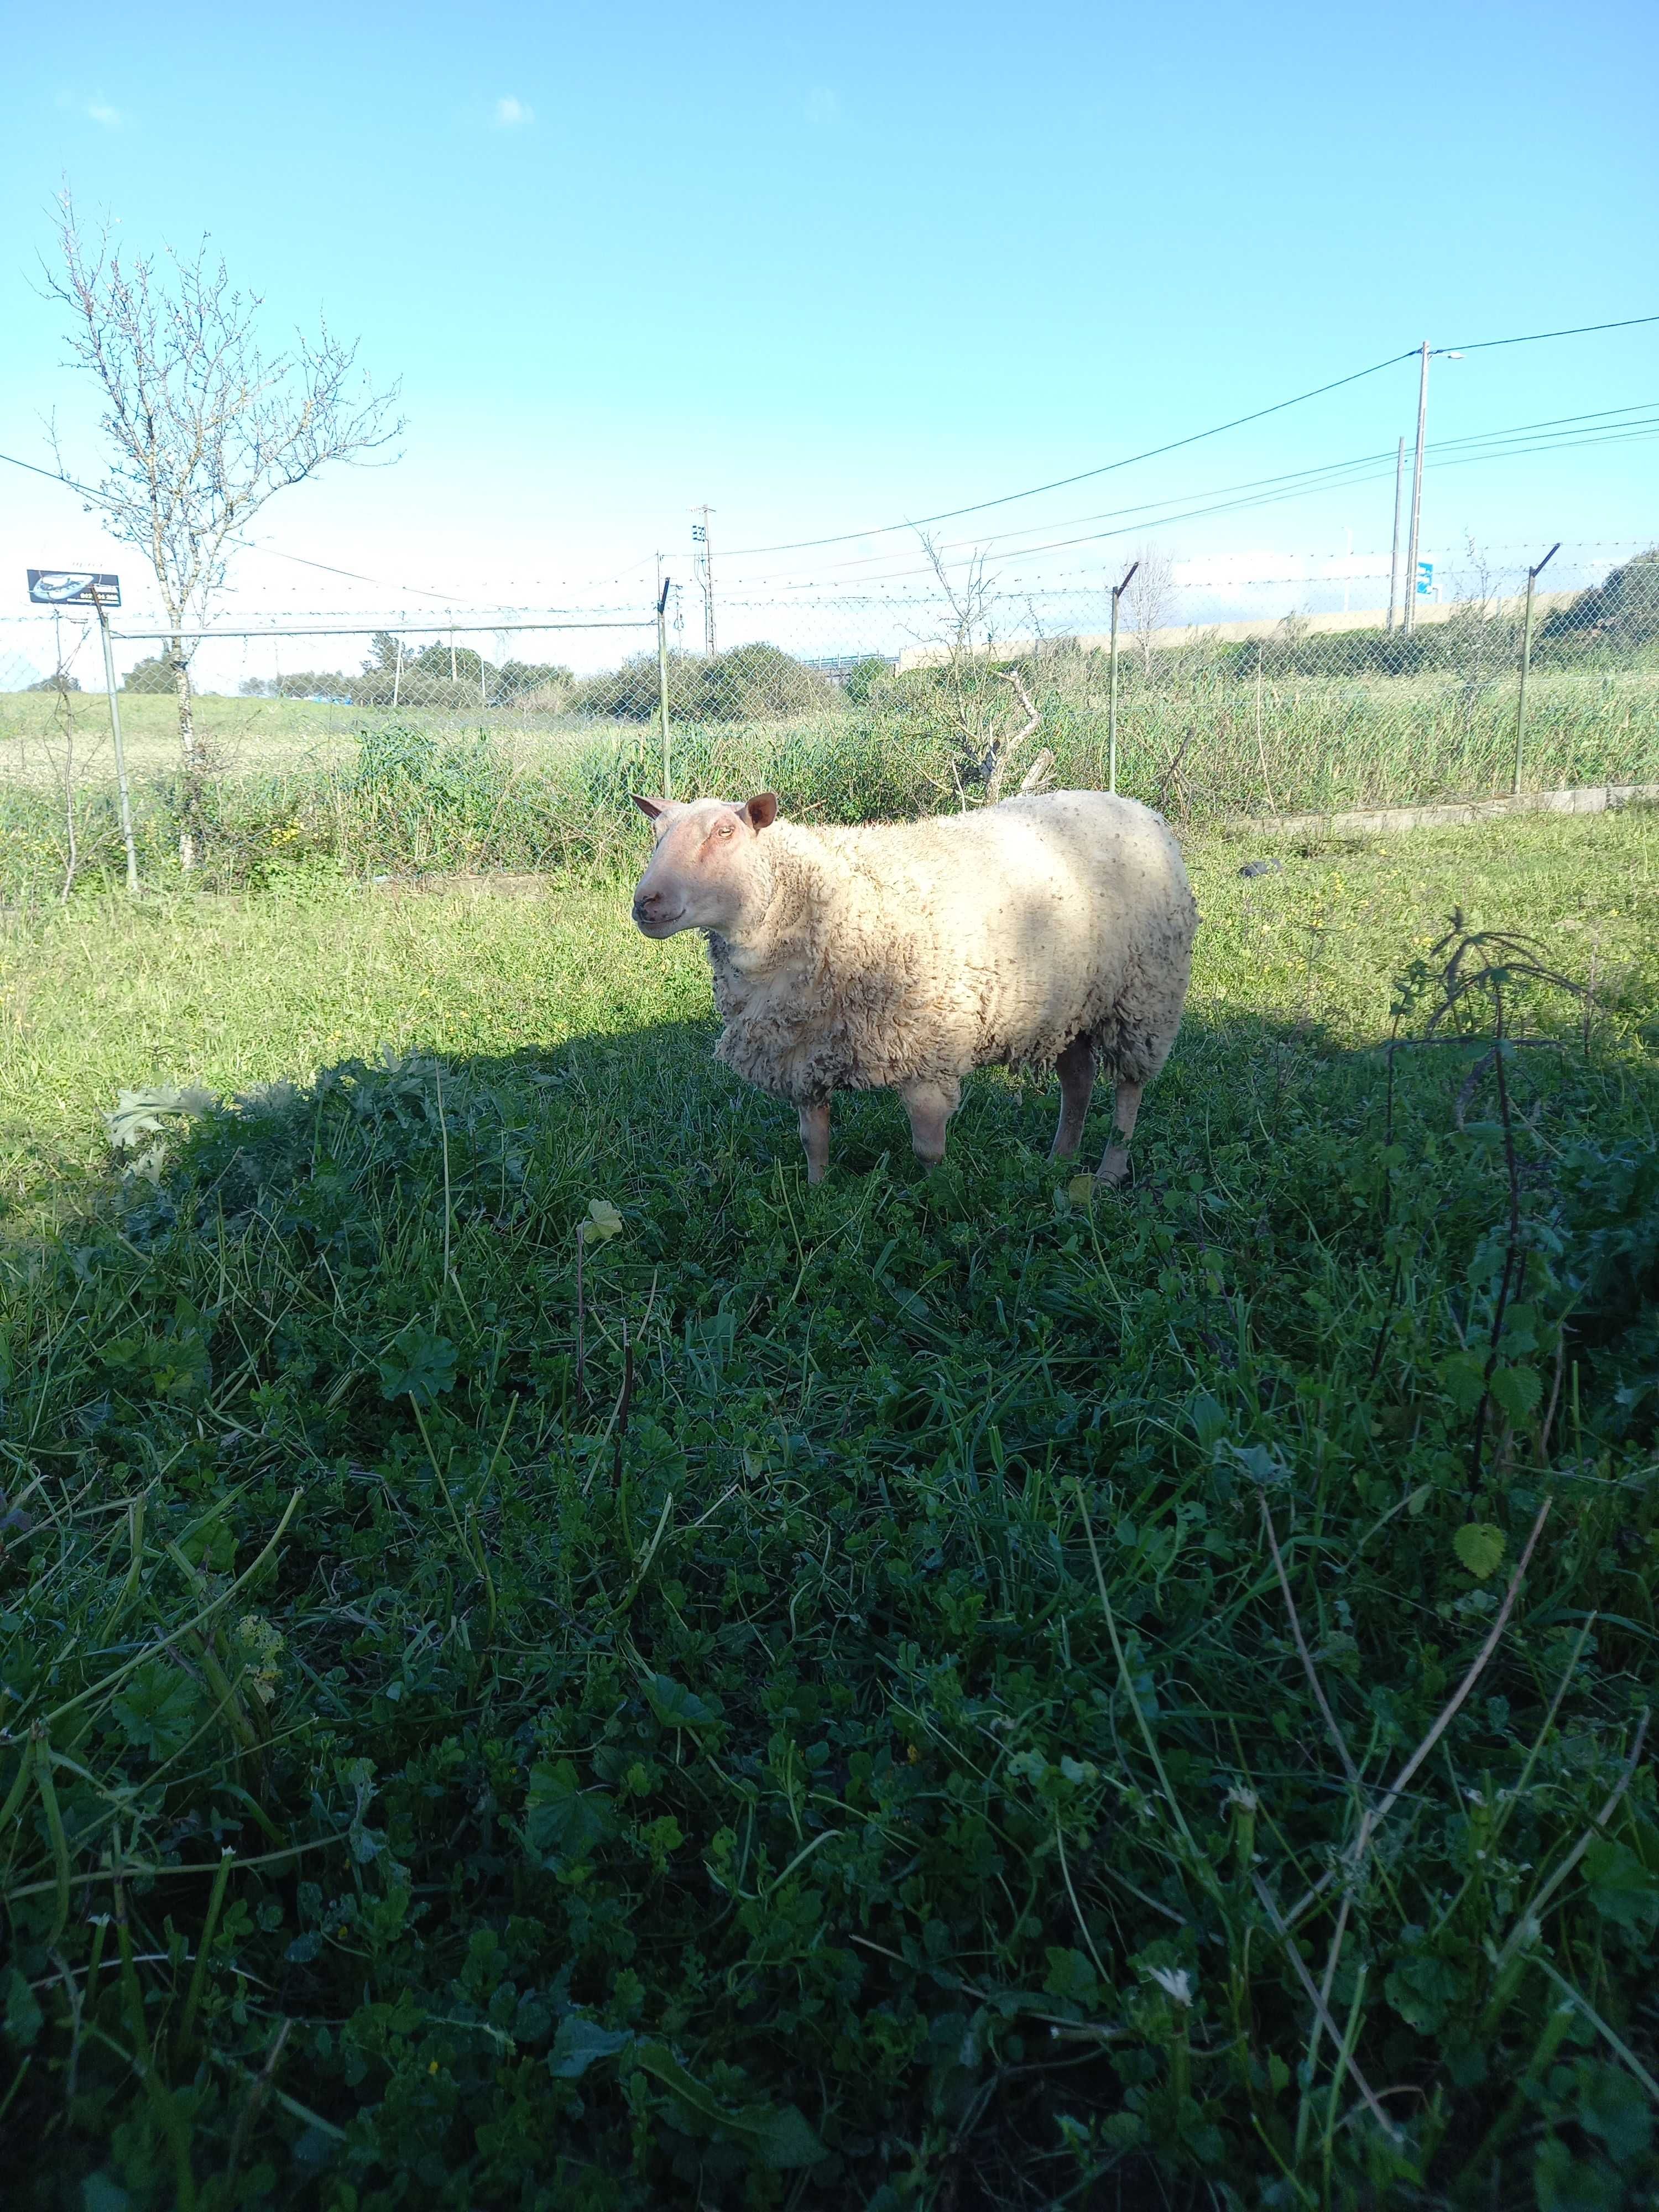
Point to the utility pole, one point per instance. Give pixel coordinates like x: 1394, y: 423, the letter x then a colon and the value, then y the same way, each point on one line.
x: 1426, y: 354
x: 1409, y: 611
x: 1394, y: 558
x: 700, y: 537
x: 1118, y: 590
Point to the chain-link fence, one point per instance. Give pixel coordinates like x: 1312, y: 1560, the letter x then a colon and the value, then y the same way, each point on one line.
x: 1212, y: 693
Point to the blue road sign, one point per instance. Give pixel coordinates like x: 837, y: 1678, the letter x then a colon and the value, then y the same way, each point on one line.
x: 1424, y: 579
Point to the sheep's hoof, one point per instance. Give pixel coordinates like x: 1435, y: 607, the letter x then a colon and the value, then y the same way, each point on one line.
x: 1114, y: 1171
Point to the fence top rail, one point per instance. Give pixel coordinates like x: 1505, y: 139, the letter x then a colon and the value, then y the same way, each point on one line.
x: 369, y: 630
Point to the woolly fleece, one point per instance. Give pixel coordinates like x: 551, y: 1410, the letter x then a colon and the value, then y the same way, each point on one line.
x: 894, y: 954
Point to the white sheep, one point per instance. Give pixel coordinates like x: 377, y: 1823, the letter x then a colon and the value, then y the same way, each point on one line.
x: 1051, y: 931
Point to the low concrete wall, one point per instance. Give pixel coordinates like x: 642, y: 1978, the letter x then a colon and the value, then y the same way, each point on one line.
x: 1588, y: 798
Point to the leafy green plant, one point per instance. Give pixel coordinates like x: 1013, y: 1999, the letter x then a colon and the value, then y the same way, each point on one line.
x: 975, y: 1696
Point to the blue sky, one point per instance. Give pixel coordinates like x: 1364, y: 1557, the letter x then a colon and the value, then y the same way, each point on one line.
x: 846, y: 266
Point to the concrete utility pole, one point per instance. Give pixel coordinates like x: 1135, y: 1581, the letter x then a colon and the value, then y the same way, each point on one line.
x: 700, y: 537
x: 1407, y: 621
x: 1427, y: 354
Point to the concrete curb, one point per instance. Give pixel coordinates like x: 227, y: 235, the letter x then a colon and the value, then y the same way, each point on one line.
x: 1590, y: 799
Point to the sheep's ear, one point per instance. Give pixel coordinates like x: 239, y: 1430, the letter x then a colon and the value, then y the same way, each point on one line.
x: 652, y: 808
x: 763, y: 811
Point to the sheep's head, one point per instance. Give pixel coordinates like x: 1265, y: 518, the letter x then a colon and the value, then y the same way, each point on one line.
x: 705, y: 872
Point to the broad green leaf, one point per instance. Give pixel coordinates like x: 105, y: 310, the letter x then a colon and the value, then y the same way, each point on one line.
x: 418, y: 1366
x: 1479, y: 1547
x: 1614, y: 2107
x: 1621, y: 1888
x: 603, y: 1223
x: 579, y: 2043
x: 1463, y: 1379
x: 779, y: 2136
x: 23, y: 2014
x: 156, y: 1708
x: 675, y: 1707
x: 1517, y: 1390
x: 1209, y: 1423
x: 562, y: 1820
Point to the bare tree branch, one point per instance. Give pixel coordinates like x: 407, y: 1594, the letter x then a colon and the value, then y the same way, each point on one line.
x: 203, y: 427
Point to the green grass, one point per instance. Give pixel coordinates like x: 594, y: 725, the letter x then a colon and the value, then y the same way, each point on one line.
x: 367, y: 791
x: 866, y: 1757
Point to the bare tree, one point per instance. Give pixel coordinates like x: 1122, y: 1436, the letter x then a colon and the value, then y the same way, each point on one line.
x: 203, y: 427
x: 985, y: 748
x: 1149, y: 598
x: 1481, y: 642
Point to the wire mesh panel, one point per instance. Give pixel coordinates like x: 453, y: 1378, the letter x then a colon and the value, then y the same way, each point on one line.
x: 516, y: 741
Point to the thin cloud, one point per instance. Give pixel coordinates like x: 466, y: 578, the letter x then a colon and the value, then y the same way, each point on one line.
x: 511, y: 112
x: 97, y: 110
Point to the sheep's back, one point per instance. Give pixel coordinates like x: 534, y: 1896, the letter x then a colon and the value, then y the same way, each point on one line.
x: 1032, y: 922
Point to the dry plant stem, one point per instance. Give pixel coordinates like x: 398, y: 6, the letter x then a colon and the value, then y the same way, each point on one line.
x: 1528, y: 1915
x: 256, y: 2097
x: 1066, y: 1874
x: 625, y: 1404
x: 1306, y: 1657
x: 1373, y: 1819
x: 1170, y: 1797
x: 581, y: 1316
x: 1321, y: 2010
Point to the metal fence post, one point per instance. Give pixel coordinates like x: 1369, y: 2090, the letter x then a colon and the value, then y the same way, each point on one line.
x: 662, y: 688
x: 1118, y: 590
x: 1533, y: 575
x: 120, y: 753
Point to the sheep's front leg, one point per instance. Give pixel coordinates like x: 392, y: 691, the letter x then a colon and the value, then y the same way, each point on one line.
x: 1125, y: 1104
x: 815, y: 1135
x: 930, y: 1106
x: 1076, y: 1070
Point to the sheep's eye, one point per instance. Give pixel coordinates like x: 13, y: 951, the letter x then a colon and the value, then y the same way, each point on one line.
x: 724, y: 829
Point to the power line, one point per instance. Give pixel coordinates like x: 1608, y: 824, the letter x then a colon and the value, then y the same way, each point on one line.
x: 247, y: 544
x: 1333, y: 476
x: 1059, y: 483
x: 1478, y: 345
x: 1580, y: 329
x: 1333, y: 470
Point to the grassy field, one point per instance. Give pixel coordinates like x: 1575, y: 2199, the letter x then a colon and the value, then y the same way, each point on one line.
x: 932, y: 1692
x: 367, y: 791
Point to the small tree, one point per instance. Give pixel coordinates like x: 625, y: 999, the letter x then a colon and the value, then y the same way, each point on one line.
x: 1148, y: 600
x: 203, y: 428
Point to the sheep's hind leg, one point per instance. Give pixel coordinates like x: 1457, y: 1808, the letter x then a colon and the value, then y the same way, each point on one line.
x: 1125, y: 1104
x: 930, y: 1106
x: 815, y: 1135
x: 1076, y: 1070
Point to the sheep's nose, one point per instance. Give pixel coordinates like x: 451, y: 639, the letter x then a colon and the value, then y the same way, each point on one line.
x: 646, y: 904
